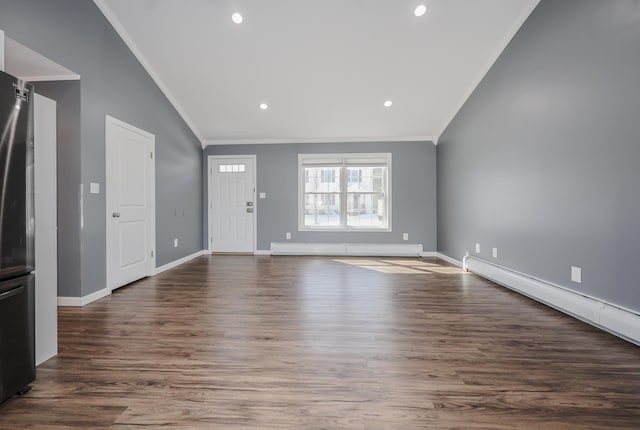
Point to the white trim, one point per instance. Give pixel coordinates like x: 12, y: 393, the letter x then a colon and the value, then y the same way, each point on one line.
x: 210, y: 160
x: 71, y: 77
x: 1, y: 50
x: 490, y: 62
x: 428, y: 254
x: 355, y: 249
x: 178, y: 262
x: 276, y: 141
x: 112, y: 121
x: 262, y: 252
x: 84, y: 300
x: 128, y: 40
x: 449, y: 259
x: 624, y: 323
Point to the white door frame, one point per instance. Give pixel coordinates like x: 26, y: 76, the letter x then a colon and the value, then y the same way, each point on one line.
x: 151, y: 177
x: 210, y: 160
x: 46, y: 241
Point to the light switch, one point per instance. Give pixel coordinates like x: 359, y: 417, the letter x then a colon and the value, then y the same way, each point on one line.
x: 263, y: 195
x: 95, y: 188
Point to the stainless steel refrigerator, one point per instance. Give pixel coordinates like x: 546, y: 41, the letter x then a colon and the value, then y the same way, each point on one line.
x: 17, y: 305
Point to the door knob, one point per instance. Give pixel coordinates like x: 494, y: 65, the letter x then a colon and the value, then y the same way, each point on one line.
x: 249, y: 210
x: 116, y: 214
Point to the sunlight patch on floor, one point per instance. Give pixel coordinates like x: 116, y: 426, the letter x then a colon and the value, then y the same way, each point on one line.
x: 402, y: 266
x: 363, y: 263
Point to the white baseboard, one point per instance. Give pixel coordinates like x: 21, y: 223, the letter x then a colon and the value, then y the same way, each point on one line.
x: 178, y: 262
x: 614, y: 319
x: 449, y: 259
x: 84, y: 300
x: 262, y: 252
x: 355, y: 249
x: 428, y: 254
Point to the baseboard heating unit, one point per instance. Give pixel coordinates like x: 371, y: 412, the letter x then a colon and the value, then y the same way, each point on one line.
x: 617, y: 320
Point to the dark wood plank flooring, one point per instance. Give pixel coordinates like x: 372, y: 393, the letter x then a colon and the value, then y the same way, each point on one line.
x: 243, y: 342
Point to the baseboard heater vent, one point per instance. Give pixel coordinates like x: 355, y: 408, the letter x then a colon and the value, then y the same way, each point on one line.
x: 621, y: 322
x: 354, y: 249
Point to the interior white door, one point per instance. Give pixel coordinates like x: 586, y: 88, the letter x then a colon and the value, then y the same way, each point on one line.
x: 46, y: 232
x: 130, y: 191
x: 231, y: 204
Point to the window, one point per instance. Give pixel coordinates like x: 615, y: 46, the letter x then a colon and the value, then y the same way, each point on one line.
x: 355, y: 175
x: 328, y: 175
x: 231, y: 168
x: 344, y: 192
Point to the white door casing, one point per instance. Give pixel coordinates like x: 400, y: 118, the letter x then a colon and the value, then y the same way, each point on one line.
x: 1, y: 50
x: 232, y: 208
x: 130, y: 197
x: 46, y: 232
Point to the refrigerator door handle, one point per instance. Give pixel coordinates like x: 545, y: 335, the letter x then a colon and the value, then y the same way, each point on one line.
x: 11, y: 293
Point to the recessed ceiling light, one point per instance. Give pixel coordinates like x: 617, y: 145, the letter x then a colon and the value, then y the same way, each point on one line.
x: 420, y: 10
x: 237, y: 18
x: 264, y: 106
x: 388, y: 103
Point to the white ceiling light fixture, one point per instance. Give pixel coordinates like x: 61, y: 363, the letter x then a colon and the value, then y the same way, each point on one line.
x: 264, y: 106
x: 420, y: 10
x: 430, y: 96
x: 237, y: 18
x: 388, y: 103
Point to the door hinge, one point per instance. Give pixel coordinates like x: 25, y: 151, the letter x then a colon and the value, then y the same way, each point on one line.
x: 151, y: 254
x: 151, y: 154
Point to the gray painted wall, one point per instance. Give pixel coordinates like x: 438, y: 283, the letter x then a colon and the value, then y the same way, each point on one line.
x: 542, y: 161
x: 75, y: 34
x: 413, y: 192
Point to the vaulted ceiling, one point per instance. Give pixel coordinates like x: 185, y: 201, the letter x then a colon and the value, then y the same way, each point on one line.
x: 324, y: 69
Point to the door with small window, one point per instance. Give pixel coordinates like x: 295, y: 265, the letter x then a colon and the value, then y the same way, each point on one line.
x: 231, y: 204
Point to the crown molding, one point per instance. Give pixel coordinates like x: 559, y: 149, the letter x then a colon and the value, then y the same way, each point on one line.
x: 275, y: 141
x: 490, y: 62
x: 111, y: 18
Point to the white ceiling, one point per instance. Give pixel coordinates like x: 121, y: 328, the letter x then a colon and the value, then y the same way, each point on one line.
x: 323, y: 67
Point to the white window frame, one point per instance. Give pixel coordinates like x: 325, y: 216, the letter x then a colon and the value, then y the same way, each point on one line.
x: 345, y: 160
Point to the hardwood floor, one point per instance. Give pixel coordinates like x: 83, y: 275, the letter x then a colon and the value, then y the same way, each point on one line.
x: 243, y: 342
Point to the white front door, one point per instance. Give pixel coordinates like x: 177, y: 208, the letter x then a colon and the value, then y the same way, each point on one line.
x: 130, y: 192
x: 231, y: 203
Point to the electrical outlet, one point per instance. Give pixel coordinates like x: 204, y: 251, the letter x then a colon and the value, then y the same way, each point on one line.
x: 477, y: 248
x: 175, y: 243
x: 495, y: 252
x: 405, y: 236
x: 263, y: 195
x: 288, y: 235
x: 576, y: 274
